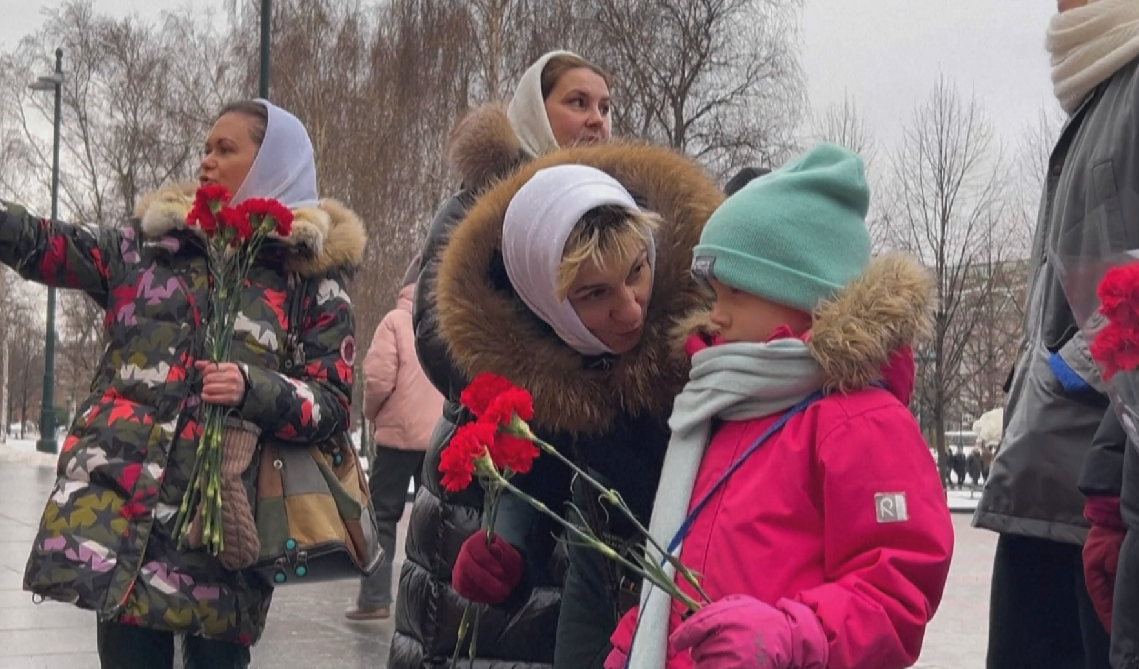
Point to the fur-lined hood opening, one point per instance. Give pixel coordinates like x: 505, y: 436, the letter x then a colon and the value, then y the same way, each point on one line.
x: 483, y: 147
x: 889, y: 306
x: 855, y: 336
x: 326, y: 237
x: 489, y: 329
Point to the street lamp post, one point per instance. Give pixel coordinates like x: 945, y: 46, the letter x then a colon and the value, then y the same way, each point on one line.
x: 46, y: 442
x: 266, y: 11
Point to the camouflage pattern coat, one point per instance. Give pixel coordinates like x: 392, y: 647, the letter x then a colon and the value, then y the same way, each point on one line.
x: 105, y: 540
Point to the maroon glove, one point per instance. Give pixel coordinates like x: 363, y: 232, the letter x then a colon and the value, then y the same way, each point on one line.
x: 486, y: 574
x: 1101, y: 553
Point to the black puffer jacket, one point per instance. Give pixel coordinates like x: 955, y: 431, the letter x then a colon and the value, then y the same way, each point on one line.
x: 484, y: 148
x: 610, y: 412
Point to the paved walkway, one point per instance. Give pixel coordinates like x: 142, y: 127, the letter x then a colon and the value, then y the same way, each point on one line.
x: 306, y: 627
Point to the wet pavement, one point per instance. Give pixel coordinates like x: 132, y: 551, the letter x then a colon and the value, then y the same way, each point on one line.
x: 307, y: 627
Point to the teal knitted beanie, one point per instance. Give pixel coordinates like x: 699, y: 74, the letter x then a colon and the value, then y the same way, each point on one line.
x: 795, y: 236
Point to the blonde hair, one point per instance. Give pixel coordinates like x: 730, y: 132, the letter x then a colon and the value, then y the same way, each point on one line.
x: 609, y: 234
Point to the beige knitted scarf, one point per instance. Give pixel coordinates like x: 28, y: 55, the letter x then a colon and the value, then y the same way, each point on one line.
x: 1089, y: 44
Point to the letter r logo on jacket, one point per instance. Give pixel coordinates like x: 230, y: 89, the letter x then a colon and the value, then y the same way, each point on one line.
x: 890, y: 507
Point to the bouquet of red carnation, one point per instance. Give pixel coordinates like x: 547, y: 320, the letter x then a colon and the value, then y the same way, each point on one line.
x: 1102, y: 289
x: 498, y: 445
x: 215, y: 507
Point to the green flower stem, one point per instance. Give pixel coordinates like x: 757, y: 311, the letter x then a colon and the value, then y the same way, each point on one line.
x: 464, y: 623
x: 655, y: 576
x: 519, y: 428
x: 228, y: 267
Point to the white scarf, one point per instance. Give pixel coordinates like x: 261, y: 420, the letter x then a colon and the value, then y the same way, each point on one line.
x: 1089, y: 44
x: 284, y: 169
x: 538, y: 222
x: 738, y: 381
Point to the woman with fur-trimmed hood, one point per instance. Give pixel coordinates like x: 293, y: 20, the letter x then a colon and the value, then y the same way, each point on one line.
x: 566, y: 278
x: 106, y: 540
x: 561, y: 100
x: 797, y: 483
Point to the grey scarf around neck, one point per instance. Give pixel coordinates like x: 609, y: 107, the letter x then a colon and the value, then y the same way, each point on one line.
x: 738, y: 381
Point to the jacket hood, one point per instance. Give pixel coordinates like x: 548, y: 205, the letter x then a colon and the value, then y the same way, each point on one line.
x: 406, y: 297
x: 483, y: 147
x: 488, y: 328
x: 325, y: 238
x: 886, y: 310
x: 866, y: 334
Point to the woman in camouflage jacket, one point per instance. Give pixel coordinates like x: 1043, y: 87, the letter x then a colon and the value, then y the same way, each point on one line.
x: 105, y: 540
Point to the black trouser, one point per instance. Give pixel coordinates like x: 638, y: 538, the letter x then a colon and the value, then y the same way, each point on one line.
x: 1040, y: 614
x: 392, y: 470
x: 131, y: 647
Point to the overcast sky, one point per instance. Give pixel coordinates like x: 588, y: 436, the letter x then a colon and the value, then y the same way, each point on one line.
x: 885, y: 54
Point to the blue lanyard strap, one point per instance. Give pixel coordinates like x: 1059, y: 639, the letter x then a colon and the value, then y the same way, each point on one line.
x: 686, y: 526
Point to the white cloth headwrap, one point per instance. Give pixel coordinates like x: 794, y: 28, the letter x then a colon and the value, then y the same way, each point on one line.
x: 527, y: 110
x: 539, y: 220
x: 284, y: 168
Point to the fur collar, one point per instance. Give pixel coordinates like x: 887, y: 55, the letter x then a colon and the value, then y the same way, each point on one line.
x: 856, y: 335
x: 325, y: 238
x: 491, y: 330
x: 483, y: 147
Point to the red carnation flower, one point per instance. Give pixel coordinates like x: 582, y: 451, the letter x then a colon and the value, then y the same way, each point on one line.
x: 212, y: 193
x: 508, y: 403
x: 201, y: 217
x: 271, y: 212
x: 235, y: 224
x: 513, y: 453
x: 1118, y: 294
x: 478, y: 396
x: 457, y: 461
x: 1116, y: 348
x: 284, y: 220
x: 207, y: 200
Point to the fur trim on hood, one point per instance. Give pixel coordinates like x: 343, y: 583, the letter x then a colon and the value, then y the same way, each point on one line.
x: 326, y: 237
x: 887, y: 307
x: 489, y: 329
x: 854, y: 336
x: 483, y: 147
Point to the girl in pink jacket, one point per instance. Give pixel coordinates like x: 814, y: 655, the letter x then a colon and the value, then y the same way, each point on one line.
x: 404, y: 407
x: 797, y: 484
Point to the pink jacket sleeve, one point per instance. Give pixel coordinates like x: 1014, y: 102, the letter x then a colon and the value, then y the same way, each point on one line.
x: 381, y: 366
x: 888, y: 540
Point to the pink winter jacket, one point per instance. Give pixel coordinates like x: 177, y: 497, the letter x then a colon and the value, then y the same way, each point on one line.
x: 398, y: 398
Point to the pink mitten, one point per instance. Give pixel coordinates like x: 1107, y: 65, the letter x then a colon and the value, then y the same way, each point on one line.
x: 743, y: 632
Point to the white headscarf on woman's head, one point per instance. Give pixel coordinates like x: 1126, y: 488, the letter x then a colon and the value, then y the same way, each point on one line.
x: 284, y: 169
x: 527, y: 110
x: 539, y: 220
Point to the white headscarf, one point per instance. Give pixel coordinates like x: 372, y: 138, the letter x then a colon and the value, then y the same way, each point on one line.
x: 539, y: 220
x: 527, y: 110
x: 284, y: 168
